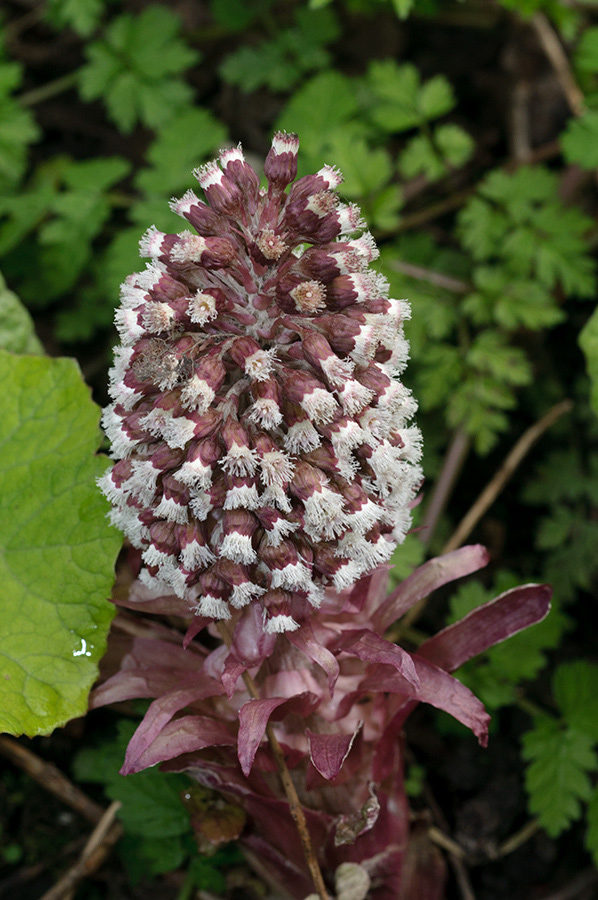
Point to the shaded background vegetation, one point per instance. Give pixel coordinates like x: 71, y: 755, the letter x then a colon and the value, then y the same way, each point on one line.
x: 468, y: 134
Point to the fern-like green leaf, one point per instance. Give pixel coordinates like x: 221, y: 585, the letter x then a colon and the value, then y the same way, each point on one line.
x: 558, y: 775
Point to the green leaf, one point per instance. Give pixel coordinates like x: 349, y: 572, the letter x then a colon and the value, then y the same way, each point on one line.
x: 281, y: 61
x: 570, y: 479
x: 57, y: 549
x: 586, y: 55
x: 383, y: 209
x: 237, y: 15
x: 489, y: 354
x: 143, y: 856
x: 436, y: 98
x: 83, y: 16
x: 406, y: 558
x: 151, y: 801
x: 449, y: 147
x: 394, y: 95
x: 17, y: 333
x: 398, y: 100
x: 557, y: 777
x: 365, y: 170
x: 265, y: 64
x: 588, y: 341
x: 591, y: 840
x: 402, y: 7
x: 206, y: 876
x: 186, y: 141
x: 419, y: 158
x: 323, y: 102
x: 132, y: 68
x: 575, y: 688
x: 510, y: 301
x: 580, y: 140
x: 481, y: 228
x: 519, y: 220
x: 17, y: 127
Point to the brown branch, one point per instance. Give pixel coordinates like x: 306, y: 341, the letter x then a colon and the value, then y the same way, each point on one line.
x: 503, y: 474
x: 515, y: 841
x: 51, y: 779
x: 487, y: 498
x: 451, y: 468
x: 438, y: 279
x: 520, y: 138
x: 558, y: 58
x: 287, y: 782
x: 48, y: 90
x: 456, y: 854
x: 100, y: 843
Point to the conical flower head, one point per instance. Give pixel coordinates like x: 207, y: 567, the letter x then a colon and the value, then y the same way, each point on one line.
x: 262, y: 435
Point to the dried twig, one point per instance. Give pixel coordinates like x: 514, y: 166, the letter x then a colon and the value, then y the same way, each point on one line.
x: 451, y: 468
x: 439, y: 279
x: 287, y: 783
x: 558, y: 59
x: 456, y: 853
x: 488, y: 496
x: 50, y: 778
x: 515, y: 841
x: 97, y: 848
x: 503, y: 474
x: 521, y: 145
x: 51, y: 89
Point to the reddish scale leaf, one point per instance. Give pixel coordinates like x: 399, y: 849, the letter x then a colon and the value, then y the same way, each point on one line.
x: 329, y: 751
x: 488, y: 625
x: 372, y: 647
x: 428, y: 578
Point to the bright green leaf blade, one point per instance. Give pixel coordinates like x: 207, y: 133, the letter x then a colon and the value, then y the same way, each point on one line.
x: 321, y: 103
x: 588, y: 341
x: 57, y: 550
x: 16, y: 326
x: 185, y: 142
x: 586, y: 55
x: 557, y: 776
x: 402, y: 7
x: 575, y: 687
x: 591, y: 840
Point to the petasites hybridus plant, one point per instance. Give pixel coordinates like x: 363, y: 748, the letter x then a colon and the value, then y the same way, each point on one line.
x: 266, y: 466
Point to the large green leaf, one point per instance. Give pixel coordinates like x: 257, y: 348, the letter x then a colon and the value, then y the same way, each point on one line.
x: 16, y: 326
x: 57, y: 550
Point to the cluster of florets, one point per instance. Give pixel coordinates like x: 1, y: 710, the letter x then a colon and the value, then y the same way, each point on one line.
x: 262, y: 437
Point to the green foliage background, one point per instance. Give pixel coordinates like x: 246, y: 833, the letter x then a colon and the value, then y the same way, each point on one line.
x: 494, y: 248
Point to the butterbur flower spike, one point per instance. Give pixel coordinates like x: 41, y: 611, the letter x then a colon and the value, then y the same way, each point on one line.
x: 261, y: 434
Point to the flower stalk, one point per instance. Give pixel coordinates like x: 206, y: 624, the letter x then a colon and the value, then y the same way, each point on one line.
x: 295, y: 807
